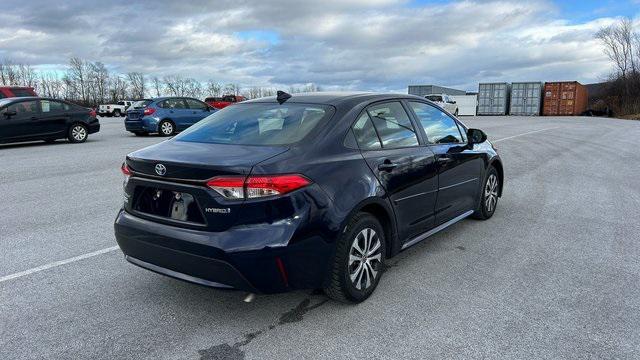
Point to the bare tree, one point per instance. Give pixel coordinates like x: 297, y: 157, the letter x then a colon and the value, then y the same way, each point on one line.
x: 77, y: 75
x: 214, y: 88
x: 156, y: 85
x: 136, y: 84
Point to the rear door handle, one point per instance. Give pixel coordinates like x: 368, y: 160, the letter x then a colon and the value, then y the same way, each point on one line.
x: 444, y: 159
x: 387, y: 166
x: 33, y: 118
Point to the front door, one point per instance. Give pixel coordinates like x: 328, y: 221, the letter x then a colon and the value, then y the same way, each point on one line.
x: 459, y: 166
x: 197, y: 110
x: 405, y: 169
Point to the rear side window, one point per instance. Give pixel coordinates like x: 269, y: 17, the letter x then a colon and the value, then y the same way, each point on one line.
x: 258, y: 124
x: 141, y: 104
x: 53, y: 106
x: 173, y: 104
x: 435, y: 98
x: 393, y: 125
x: 195, y: 104
x: 365, y: 133
x: 439, y: 127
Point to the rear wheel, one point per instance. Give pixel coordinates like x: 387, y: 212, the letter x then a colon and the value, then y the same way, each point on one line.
x: 77, y: 133
x: 359, y: 260
x: 166, y: 128
x: 116, y: 113
x: 489, y: 196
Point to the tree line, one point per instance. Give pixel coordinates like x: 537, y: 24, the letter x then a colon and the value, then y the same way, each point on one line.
x: 622, y: 45
x: 92, y: 83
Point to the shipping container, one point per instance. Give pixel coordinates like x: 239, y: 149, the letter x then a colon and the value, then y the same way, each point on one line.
x: 493, y: 98
x: 467, y: 104
x: 422, y: 90
x: 565, y: 98
x: 526, y: 98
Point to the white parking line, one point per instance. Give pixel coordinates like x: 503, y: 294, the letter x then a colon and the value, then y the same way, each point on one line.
x: 57, y: 263
x: 527, y: 133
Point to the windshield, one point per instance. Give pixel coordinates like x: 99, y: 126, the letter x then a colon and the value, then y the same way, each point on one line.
x: 258, y: 124
x: 141, y: 104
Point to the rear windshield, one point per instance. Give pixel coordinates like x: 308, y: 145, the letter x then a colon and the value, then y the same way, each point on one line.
x: 258, y: 124
x: 141, y: 104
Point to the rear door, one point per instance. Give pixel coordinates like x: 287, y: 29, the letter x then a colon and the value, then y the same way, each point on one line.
x: 459, y: 166
x: 406, y: 170
x: 20, y: 121
x: 198, y: 110
x: 178, y: 112
x: 54, y: 117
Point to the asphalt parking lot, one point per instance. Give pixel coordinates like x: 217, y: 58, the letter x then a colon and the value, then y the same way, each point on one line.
x: 554, y: 274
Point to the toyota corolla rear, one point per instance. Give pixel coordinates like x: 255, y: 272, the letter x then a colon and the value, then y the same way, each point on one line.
x: 197, y: 208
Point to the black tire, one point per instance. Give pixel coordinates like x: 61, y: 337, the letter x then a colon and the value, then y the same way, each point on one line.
x: 340, y: 286
x: 487, y: 207
x: 456, y: 113
x: 117, y: 113
x: 166, y: 128
x: 141, y: 133
x: 77, y: 133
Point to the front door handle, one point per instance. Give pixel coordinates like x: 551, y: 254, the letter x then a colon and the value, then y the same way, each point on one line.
x: 387, y: 165
x: 33, y: 118
x: 444, y: 159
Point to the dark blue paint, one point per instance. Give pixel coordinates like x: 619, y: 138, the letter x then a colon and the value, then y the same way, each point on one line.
x: 301, y: 227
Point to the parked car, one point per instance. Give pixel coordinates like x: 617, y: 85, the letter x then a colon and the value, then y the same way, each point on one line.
x: 16, y: 91
x: 445, y: 102
x: 223, y: 102
x: 306, y: 191
x: 117, y: 110
x: 35, y: 118
x: 165, y: 115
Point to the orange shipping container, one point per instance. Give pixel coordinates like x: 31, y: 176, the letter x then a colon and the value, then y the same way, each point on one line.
x: 564, y: 98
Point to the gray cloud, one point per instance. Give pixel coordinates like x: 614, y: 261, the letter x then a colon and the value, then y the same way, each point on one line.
x: 355, y: 44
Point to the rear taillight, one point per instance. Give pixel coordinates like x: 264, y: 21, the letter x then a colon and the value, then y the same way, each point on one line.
x: 251, y: 187
x: 149, y: 111
x: 125, y: 170
x: 92, y: 112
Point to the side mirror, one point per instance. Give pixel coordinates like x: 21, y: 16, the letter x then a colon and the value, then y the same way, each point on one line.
x: 476, y: 136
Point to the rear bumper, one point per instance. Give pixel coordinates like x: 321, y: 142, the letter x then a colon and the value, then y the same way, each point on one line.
x: 140, y: 125
x: 229, y: 259
x: 94, y: 127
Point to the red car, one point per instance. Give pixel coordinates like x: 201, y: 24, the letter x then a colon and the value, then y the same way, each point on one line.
x: 223, y: 102
x: 16, y: 91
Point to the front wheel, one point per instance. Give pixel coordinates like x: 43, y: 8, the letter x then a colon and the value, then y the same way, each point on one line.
x: 359, y: 260
x: 489, y: 196
x: 77, y: 133
x: 117, y: 113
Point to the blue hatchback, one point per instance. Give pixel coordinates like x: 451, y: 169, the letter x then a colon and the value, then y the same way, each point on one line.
x: 165, y: 115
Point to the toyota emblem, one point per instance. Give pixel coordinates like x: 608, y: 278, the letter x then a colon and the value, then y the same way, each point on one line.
x: 161, y: 169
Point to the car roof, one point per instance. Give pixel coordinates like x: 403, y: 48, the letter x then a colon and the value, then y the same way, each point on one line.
x: 335, y: 98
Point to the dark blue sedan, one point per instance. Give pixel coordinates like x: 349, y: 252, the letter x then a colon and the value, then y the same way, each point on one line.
x: 165, y: 115
x: 304, y: 191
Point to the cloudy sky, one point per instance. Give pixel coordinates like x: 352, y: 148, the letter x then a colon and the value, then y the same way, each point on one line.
x: 381, y: 45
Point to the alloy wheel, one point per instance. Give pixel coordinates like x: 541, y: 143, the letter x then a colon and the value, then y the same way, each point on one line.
x: 79, y: 133
x: 166, y: 128
x: 491, y: 193
x: 365, y: 259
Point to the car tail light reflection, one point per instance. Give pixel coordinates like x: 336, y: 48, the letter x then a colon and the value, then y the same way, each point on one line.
x: 251, y: 187
x: 149, y: 111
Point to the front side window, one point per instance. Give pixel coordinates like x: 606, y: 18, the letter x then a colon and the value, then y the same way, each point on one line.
x: 439, y: 127
x: 393, y: 125
x: 195, y: 104
x: 365, y: 133
x: 258, y: 124
x: 24, y: 108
